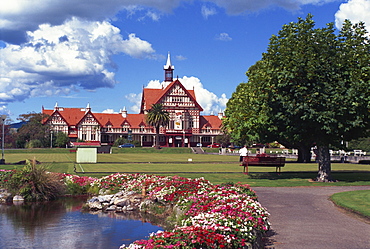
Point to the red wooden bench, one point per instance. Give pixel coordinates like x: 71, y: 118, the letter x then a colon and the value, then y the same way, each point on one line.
x: 263, y: 160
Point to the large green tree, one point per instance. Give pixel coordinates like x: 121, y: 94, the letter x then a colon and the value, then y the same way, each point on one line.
x: 157, y: 117
x: 315, y: 85
x: 33, y: 130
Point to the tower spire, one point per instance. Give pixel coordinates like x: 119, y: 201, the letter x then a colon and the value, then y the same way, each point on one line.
x: 168, y: 70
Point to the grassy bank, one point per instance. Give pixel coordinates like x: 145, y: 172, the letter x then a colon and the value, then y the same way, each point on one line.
x: 355, y: 201
x: 180, y: 161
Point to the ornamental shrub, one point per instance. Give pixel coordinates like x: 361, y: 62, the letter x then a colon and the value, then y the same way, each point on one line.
x: 34, y: 183
x: 78, y: 185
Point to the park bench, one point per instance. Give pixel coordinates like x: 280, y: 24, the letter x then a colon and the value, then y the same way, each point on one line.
x: 263, y: 160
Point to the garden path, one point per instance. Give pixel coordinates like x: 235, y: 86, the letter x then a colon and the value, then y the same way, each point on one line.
x: 304, y: 217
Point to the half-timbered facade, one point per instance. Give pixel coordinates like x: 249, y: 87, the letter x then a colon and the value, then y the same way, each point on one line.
x: 186, y: 127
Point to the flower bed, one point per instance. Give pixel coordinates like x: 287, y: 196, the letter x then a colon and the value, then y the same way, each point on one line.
x: 212, y: 216
x: 215, y: 216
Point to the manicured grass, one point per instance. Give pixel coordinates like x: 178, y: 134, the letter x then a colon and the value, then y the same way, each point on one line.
x: 213, y: 167
x: 356, y: 201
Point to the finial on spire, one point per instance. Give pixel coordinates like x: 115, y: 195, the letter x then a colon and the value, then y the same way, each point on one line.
x: 56, y: 106
x: 168, y: 64
x: 168, y: 70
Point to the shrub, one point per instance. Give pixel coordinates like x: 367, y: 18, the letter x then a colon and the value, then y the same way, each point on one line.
x: 35, y: 183
x: 78, y: 185
x: 34, y: 144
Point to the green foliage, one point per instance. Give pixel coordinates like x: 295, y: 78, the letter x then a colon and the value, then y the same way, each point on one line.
x: 34, y: 183
x: 311, y: 87
x: 122, y: 140
x: 33, y: 130
x: 61, y: 139
x: 35, y: 143
x: 157, y: 117
x: 224, y: 140
x: 119, y: 141
x: 360, y: 144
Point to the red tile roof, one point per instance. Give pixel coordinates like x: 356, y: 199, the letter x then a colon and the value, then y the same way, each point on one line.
x: 153, y: 96
x: 210, y: 121
x: 72, y: 116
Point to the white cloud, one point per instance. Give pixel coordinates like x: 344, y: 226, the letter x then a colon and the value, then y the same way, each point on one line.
x: 354, y: 10
x: 208, y: 11
x: 180, y: 58
x: 19, y: 16
x: 136, y: 100
x: 209, y: 101
x: 223, y: 37
x: 60, y: 59
x: 109, y: 111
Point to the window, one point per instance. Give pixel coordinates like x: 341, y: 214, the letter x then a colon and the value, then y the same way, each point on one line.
x: 206, y: 139
x: 142, y: 128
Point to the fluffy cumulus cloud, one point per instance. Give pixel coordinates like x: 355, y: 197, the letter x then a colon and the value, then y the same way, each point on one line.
x: 354, y: 10
x: 135, y: 99
x: 210, y: 102
x: 63, y: 58
x: 19, y: 16
x: 60, y: 46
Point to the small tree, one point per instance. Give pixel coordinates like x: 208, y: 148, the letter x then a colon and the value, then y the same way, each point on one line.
x: 61, y: 139
x: 157, y: 117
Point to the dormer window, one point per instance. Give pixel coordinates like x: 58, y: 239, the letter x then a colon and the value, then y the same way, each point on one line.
x: 142, y: 128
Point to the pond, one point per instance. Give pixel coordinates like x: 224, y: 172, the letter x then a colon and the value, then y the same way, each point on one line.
x: 62, y: 224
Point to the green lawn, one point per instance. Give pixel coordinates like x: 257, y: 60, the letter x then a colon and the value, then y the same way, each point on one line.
x: 179, y: 161
x: 356, y: 201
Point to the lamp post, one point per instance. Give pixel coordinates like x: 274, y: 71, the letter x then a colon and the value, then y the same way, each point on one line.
x: 51, y: 138
x: 2, y: 161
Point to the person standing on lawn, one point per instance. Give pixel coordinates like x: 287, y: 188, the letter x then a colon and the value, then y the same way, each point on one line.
x: 243, y: 153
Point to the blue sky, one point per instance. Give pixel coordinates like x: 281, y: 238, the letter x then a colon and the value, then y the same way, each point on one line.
x: 103, y: 52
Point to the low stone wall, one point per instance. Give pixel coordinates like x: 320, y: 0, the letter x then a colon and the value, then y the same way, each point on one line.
x: 119, y: 202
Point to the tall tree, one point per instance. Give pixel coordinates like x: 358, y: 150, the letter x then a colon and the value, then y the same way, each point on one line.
x: 33, y: 130
x: 157, y: 117
x: 317, y: 86
x: 246, y: 118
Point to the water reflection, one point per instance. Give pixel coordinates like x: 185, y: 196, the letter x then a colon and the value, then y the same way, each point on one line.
x: 61, y: 224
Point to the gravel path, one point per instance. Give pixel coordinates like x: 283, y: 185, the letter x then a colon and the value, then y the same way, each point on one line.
x: 304, y: 217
